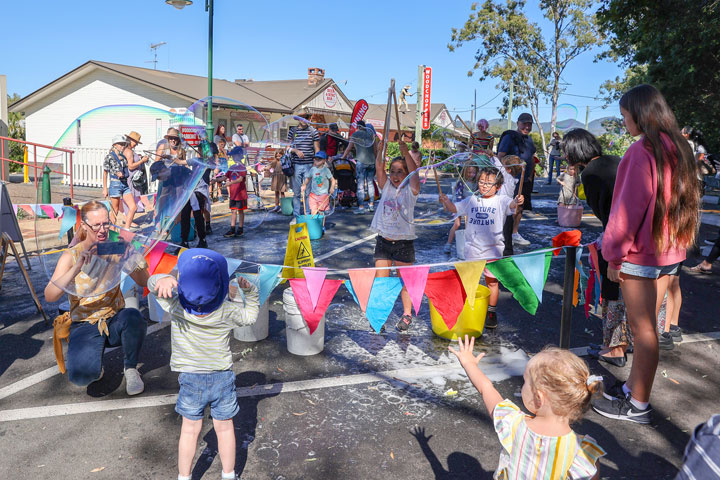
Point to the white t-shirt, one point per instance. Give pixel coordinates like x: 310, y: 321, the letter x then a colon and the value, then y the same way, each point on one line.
x: 509, y: 182
x: 388, y: 222
x: 243, y: 140
x: 484, y: 226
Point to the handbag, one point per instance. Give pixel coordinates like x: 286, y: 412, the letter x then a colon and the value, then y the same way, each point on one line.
x: 139, y: 181
x: 286, y: 164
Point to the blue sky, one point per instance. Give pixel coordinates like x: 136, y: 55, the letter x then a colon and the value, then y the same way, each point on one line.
x: 363, y: 44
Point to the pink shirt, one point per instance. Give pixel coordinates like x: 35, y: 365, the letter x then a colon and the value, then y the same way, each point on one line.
x: 628, y: 236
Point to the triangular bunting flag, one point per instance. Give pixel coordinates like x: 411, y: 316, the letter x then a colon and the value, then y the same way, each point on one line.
x: 165, y: 265
x: 315, y: 278
x: 126, y: 235
x: 470, y: 273
x: 268, y: 280
x: 312, y: 316
x: 68, y: 220
x: 28, y: 209
x: 414, y: 279
x: 532, y: 267
x: 362, y: 282
x: 233, y: 264
x: 508, y: 273
x: 58, y: 207
x: 49, y: 210
x: 382, y: 298
x: 154, y: 256
x: 445, y: 291
x: 15, y: 209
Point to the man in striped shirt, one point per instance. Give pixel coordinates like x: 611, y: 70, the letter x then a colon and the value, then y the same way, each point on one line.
x: 305, y: 142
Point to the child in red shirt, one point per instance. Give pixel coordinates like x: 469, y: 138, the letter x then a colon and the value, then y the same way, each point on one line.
x: 236, y: 176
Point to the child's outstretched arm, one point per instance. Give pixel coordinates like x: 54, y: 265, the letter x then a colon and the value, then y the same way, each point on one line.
x: 247, y: 313
x: 164, y: 287
x: 447, y: 203
x: 469, y: 362
x: 411, y: 166
x: 380, y: 172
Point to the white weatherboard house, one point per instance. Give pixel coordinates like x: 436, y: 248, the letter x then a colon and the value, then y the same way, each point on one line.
x: 53, y: 111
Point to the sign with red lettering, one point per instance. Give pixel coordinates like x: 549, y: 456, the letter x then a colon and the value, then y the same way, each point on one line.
x: 427, y: 81
x: 361, y: 108
x: 330, y: 96
x: 192, y: 134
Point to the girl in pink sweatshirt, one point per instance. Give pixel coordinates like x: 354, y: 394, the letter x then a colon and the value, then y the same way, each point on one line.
x: 652, y: 221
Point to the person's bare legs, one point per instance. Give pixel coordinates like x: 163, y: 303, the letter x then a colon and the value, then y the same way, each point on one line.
x: 492, y: 284
x: 129, y: 199
x: 226, y: 443
x: 516, y: 219
x: 114, y: 209
x: 674, y: 302
x: 188, y: 443
x: 404, y: 295
x: 451, y: 235
x: 642, y: 302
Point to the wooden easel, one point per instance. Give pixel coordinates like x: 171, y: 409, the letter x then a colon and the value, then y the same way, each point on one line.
x: 6, y: 244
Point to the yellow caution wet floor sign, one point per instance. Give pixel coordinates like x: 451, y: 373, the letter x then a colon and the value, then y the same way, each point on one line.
x: 298, y: 252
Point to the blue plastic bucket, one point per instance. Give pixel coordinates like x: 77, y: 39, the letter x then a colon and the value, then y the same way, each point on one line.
x: 175, y: 236
x: 286, y: 204
x: 314, y: 225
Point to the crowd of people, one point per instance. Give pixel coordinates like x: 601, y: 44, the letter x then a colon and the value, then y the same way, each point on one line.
x: 647, y: 203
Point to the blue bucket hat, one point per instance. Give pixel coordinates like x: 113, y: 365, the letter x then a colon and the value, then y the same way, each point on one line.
x: 203, y: 280
x: 321, y: 154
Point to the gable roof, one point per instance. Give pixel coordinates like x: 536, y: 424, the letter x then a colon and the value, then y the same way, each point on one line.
x: 376, y: 111
x: 283, y: 96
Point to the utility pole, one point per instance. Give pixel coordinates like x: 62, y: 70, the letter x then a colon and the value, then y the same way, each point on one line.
x: 510, y: 103
x: 418, y: 109
x: 472, y: 117
x: 587, y: 116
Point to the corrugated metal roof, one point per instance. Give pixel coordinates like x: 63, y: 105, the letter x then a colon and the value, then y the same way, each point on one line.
x: 376, y: 111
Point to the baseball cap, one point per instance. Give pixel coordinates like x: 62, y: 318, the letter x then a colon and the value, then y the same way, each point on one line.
x: 525, y: 117
x: 203, y: 280
x: 321, y: 154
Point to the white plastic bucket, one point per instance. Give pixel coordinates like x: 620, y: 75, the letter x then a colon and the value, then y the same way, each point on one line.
x: 258, y: 330
x: 460, y: 243
x: 157, y: 314
x: 299, y: 340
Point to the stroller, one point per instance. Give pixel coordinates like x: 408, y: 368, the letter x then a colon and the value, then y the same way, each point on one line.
x: 344, y: 173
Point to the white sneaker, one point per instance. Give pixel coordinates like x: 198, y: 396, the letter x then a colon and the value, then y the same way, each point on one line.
x: 518, y: 239
x: 360, y: 211
x: 133, y: 383
x: 293, y: 221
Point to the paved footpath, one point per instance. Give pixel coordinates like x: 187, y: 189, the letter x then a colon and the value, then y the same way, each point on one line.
x: 368, y: 406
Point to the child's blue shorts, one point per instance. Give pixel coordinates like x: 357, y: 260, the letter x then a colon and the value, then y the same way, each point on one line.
x: 198, y: 390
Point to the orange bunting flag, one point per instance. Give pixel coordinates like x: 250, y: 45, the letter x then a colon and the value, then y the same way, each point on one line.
x: 362, y: 282
x: 571, y: 238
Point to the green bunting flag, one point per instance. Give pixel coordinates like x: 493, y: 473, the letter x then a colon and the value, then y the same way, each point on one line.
x: 508, y: 273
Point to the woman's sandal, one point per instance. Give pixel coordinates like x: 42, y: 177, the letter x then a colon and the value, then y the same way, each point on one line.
x: 698, y: 269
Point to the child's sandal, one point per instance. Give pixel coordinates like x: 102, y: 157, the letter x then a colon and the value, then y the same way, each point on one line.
x: 404, y: 323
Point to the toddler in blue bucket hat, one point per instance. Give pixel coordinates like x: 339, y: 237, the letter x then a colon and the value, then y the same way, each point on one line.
x: 202, y: 320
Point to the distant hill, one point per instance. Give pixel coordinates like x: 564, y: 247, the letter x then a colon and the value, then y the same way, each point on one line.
x: 498, y: 125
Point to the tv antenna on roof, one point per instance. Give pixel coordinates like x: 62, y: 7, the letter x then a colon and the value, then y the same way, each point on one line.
x: 154, y: 47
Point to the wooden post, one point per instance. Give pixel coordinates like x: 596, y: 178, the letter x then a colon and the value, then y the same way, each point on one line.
x: 397, y: 116
x: 567, y: 301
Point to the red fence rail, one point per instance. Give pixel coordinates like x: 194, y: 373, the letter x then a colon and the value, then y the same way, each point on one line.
x: 34, y: 164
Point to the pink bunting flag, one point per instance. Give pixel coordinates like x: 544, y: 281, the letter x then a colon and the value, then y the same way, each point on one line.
x: 28, y: 209
x: 315, y: 278
x: 415, y: 279
x: 312, y: 315
x: 154, y: 256
x: 362, y: 282
x: 49, y: 210
x: 126, y: 235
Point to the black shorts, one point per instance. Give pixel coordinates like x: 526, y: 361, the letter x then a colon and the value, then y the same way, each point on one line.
x: 238, y: 204
x: 398, y: 250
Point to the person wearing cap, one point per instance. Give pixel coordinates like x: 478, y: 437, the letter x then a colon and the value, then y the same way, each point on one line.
x: 518, y: 142
x: 202, y: 319
x: 304, y: 144
x: 322, y: 185
x: 136, y: 166
x: 115, y: 167
x: 363, y: 142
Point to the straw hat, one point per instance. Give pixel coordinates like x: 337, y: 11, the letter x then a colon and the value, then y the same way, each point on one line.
x: 172, y: 132
x: 134, y: 136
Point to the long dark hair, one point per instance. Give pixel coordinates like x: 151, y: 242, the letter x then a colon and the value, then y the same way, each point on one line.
x: 580, y: 146
x: 653, y: 116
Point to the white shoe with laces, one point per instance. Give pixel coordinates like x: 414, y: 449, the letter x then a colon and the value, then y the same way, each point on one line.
x: 133, y: 383
x: 519, y: 240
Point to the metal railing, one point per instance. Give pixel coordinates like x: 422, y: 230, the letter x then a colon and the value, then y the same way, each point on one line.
x: 34, y: 165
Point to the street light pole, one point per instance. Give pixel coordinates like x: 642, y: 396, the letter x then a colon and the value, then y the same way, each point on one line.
x: 180, y: 4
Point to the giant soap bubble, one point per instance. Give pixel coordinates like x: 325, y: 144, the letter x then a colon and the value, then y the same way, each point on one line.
x: 143, y: 199
x: 281, y: 131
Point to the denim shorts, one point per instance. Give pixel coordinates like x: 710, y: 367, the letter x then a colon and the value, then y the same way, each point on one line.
x: 648, y: 271
x: 118, y: 189
x: 198, y: 390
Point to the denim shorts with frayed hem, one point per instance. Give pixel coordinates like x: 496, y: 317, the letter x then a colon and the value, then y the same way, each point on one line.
x: 198, y: 390
x: 118, y: 189
x: 648, y: 271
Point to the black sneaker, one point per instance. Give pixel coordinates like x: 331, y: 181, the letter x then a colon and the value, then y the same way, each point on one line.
x: 404, y: 323
x: 202, y: 243
x: 230, y: 233
x: 208, y: 228
x: 491, y: 320
x: 239, y: 232
x: 614, y: 391
x: 622, y: 409
x: 676, y: 333
x: 184, y: 245
x: 665, y: 341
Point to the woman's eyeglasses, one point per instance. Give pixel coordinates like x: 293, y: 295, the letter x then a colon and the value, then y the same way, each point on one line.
x: 99, y: 226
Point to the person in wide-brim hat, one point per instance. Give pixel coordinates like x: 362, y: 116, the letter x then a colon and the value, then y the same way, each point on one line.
x: 172, y: 132
x: 134, y: 136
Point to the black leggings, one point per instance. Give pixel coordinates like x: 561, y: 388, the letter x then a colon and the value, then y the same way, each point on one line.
x: 714, y: 252
x: 507, y: 235
x: 199, y: 219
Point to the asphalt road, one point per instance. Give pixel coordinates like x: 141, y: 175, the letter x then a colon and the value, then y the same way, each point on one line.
x: 368, y: 406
